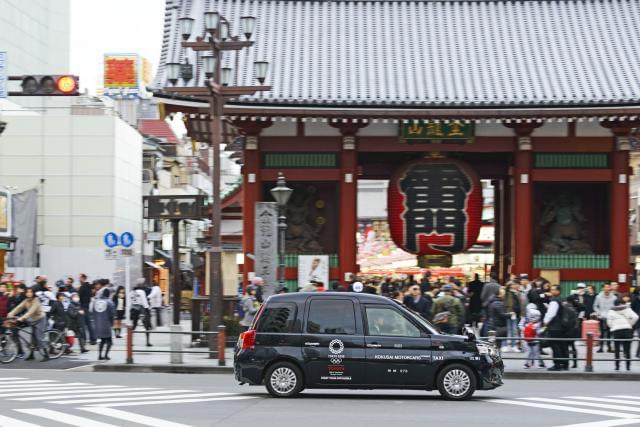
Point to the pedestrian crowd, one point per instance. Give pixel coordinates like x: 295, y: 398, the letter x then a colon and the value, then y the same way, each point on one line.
x: 87, y: 312
x: 527, y: 316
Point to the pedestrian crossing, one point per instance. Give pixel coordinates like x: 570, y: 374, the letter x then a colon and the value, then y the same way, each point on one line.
x: 91, y: 401
x: 621, y: 409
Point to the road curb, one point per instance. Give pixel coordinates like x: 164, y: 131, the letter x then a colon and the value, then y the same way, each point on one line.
x: 167, y: 369
x: 198, y: 369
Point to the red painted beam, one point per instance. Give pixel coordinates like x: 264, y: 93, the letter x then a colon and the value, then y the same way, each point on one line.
x: 572, y: 175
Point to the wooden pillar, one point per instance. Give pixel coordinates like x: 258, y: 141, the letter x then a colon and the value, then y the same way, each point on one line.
x: 498, y: 222
x: 619, y: 254
x: 506, y: 221
x: 348, y: 193
x: 522, y: 203
x: 619, y: 214
x: 251, y: 189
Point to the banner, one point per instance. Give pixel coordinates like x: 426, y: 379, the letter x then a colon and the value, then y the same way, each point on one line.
x: 266, y: 245
x: 25, y: 225
x: 313, y: 268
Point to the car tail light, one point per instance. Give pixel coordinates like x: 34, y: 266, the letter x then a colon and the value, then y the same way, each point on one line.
x: 248, y: 339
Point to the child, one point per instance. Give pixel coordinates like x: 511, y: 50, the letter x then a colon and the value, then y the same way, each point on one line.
x: 531, y: 332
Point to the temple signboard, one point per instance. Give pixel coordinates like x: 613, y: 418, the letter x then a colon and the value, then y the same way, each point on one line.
x: 437, y: 132
x: 266, y: 245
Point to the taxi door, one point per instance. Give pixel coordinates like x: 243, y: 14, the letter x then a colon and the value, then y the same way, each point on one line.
x: 332, y: 342
x: 398, y: 352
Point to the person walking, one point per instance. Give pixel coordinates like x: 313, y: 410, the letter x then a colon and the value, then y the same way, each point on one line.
x: 75, y: 320
x: 448, y: 311
x: 635, y: 306
x: 574, y: 330
x: 86, y: 293
x: 474, y: 290
x: 120, y: 302
x: 140, y: 307
x: 155, y: 302
x: 531, y: 332
x: 621, y: 321
x: 553, y: 324
x: 497, y: 318
x: 250, y: 306
x: 31, y: 311
x: 418, y: 302
x: 104, y: 313
x: 512, y: 307
x: 604, y: 301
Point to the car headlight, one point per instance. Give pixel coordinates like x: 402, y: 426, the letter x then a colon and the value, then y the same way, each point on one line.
x: 487, y: 349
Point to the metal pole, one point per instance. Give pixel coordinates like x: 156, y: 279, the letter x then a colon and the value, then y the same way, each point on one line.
x: 282, y: 229
x: 127, y: 290
x: 129, y: 343
x: 216, y: 105
x: 222, y: 361
x: 175, y: 261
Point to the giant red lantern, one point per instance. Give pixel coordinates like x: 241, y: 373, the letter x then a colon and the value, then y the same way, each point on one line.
x: 435, y: 206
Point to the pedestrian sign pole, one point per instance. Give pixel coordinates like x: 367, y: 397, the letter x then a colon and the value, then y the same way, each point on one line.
x: 125, y: 240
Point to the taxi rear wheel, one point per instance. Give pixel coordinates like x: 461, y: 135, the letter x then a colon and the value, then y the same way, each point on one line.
x: 284, y: 379
x: 456, y: 382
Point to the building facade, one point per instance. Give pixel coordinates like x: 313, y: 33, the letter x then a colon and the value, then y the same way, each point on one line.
x: 524, y: 94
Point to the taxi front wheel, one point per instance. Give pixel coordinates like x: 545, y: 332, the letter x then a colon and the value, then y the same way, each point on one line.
x: 284, y: 379
x: 456, y: 382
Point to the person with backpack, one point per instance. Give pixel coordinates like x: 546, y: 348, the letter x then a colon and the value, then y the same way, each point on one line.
x: 555, y: 324
x: 530, y: 332
x: 447, y: 311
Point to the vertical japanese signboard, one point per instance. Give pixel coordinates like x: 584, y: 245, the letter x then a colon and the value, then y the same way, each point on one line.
x: 3, y: 74
x: 266, y: 244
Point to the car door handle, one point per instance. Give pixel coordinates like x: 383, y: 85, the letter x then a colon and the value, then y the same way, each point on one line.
x: 312, y: 344
x: 374, y: 345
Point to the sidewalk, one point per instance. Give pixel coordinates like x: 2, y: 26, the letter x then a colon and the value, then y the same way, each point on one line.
x: 146, y: 361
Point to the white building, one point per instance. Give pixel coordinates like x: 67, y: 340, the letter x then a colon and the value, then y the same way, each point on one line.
x: 86, y: 164
x: 35, y: 35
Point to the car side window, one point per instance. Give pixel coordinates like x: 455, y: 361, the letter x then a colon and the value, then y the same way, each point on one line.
x: 385, y: 321
x: 277, y: 318
x: 331, y: 317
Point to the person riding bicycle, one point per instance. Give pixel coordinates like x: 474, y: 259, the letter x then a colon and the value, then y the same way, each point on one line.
x: 32, y: 312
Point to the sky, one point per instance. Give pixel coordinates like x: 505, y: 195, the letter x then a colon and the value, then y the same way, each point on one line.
x: 113, y: 26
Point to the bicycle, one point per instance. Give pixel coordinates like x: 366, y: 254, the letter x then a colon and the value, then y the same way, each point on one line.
x: 13, y: 338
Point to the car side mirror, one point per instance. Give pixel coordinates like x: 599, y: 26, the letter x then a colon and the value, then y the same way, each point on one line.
x: 469, y: 333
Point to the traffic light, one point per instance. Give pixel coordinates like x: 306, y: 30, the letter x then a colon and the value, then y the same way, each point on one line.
x: 47, y: 85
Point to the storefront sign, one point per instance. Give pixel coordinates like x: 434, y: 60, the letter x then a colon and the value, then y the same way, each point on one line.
x: 435, y: 207
x: 440, y: 132
x: 266, y: 245
x: 5, y: 214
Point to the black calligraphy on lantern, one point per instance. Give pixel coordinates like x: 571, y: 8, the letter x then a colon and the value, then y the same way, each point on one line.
x: 435, y: 197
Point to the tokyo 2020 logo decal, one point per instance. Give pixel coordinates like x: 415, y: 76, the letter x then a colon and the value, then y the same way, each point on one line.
x: 336, y: 347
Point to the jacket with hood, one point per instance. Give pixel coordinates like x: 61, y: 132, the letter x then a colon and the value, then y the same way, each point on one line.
x: 621, y: 317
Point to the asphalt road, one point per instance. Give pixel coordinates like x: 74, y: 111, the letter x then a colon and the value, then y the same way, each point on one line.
x: 31, y: 398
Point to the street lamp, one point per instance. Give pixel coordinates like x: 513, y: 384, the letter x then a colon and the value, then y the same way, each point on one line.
x: 215, y: 43
x: 281, y: 194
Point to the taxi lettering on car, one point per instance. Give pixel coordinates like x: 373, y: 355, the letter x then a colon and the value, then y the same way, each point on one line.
x: 359, y: 341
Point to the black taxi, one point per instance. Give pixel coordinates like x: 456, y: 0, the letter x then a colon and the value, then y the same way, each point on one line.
x: 358, y: 341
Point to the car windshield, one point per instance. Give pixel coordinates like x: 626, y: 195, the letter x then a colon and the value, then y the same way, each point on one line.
x: 424, y: 322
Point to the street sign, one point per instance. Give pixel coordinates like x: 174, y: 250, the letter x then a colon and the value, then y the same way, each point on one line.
x: 110, y: 254
x: 111, y: 239
x: 126, y: 239
x: 174, y: 207
x: 125, y: 252
x: 3, y: 74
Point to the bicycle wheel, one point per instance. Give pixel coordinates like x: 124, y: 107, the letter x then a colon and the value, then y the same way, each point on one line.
x: 57, y: 343
x: 8, y: 349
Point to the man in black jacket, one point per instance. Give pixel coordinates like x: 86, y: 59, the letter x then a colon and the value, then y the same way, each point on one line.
x: 553, y: 322
x: 418, y: 302
x: 85, y: 292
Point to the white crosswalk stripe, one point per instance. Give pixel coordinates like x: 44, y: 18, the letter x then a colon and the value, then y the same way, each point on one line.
x: 53, y: 395
x: 172, y: 401
x: 12, y: 422
x: 624, y: 396
x: 12, y: 378
x: 43, y: 387
x: 122, y: 396
x: 579, y: 403
x: 27, y: 382
x: 136, y: 418
x: 64, y: 417
x: 66, y: 390
x: 562, y: 408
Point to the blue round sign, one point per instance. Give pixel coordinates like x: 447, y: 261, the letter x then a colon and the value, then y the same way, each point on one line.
x: 126, y: 239
x: 111, y: 239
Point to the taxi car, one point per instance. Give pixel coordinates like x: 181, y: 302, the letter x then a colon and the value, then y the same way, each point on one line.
x: 358, y: 341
